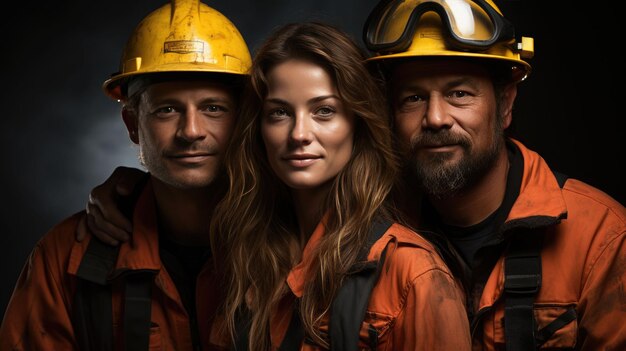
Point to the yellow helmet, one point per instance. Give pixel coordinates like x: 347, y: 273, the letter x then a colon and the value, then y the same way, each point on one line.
x: 183, y: 36
x: 434, y: 28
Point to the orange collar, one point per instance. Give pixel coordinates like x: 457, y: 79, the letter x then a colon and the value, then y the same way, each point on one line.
x: 298, y: 274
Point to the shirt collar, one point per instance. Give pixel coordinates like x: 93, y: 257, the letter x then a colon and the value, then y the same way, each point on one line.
x: 298, y: 275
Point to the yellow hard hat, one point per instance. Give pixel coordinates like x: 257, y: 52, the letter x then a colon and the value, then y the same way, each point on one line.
x: 446, y: 28
x: 183, y: 36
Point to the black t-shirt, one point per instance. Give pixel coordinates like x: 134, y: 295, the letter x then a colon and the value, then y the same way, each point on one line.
x: 468, y: 240
x: 184, y: 263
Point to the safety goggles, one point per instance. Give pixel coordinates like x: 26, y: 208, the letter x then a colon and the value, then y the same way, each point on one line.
x: 470, y: 25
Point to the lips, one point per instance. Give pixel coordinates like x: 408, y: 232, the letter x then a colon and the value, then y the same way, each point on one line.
x: 436, y: 144
x: 191, y: 158
x: 191, y: 155
x: 301, y: 160
x: 439, y: 147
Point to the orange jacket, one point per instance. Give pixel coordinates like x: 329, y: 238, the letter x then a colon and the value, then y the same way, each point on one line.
x: 415, y: 305
x: 40, y: 311
x: 583, y: 259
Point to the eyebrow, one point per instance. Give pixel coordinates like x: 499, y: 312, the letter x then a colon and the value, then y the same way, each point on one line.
x: 208, y: 100
x: 226, y: 101
x: 449, y: 85
x: 462, y: 81
x: 311, y: 101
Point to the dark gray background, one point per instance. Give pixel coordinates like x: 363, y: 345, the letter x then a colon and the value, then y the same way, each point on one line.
x: 61, y: 135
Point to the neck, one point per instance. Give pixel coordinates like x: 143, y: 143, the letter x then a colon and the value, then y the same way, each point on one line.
x: 472, y: 205
x: 307, y: 205
x: 184, y: 215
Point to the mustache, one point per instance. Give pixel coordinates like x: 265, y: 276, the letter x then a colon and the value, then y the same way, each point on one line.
x: 439, y: 138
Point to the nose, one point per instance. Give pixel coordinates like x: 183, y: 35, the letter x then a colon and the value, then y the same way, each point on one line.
x: 437, y: 116
x: 301, y: 131
x: 190, y: 126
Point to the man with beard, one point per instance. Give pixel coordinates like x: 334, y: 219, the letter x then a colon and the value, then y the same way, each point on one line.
x: 542, y: 257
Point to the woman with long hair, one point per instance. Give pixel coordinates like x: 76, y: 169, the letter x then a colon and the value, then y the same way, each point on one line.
x: 311, y: 168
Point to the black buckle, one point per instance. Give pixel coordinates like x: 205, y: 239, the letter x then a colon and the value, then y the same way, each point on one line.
x: 521, y: 284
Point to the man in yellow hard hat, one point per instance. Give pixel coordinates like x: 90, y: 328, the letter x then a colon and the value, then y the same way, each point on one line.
x: 179, y: 82
x: 542, y: 257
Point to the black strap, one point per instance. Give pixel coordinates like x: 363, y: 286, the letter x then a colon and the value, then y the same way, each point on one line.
x: 564, y: 319
x: 349, y: 307
x: 295, y: 333
x: 92, y: 320
x: 522, y: 281
x: 92, y: 312
x: 137, y: 310
x: 97, y: 262
x: 350, y: 304
x: 347, y: 310
x: 373, y: 337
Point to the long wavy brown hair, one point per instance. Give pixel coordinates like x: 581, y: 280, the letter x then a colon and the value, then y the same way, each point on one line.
x: 256, y: 234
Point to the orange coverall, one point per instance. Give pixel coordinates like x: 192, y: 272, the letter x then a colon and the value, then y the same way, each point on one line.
x: 416, y: 304
x: 40, y: 310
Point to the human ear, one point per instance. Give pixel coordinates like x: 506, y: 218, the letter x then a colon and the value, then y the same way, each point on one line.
x: 132, y: 124
x: 508, y: 98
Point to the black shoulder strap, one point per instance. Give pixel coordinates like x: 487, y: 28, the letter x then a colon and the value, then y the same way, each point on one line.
x: 522, y: 280
x: 92, y: 312
x: 350, y: 304
x: 295, y: 332
x: 93, y: 321
x: 137, y: 309
x: 347, y: 310
x: 92, y: 315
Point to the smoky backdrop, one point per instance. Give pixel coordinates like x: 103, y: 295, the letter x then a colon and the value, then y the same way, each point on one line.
x: 61, y: 135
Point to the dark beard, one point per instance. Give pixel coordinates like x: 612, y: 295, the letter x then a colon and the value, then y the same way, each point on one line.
x: 444, y: 180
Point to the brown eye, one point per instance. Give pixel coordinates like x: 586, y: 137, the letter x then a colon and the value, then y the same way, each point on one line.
x: 278, y: 113
x: 215, y: 110
x: 412, y: 99
x: 325, y: 111
x: 168, y: 109
x: 164, y: 112
x: 459, y: 94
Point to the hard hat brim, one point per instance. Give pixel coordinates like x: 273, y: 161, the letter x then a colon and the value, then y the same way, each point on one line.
x: 112, y: 86
x: 522, y: 67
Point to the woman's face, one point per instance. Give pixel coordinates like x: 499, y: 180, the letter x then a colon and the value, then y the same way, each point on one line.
x: 307, y: 130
